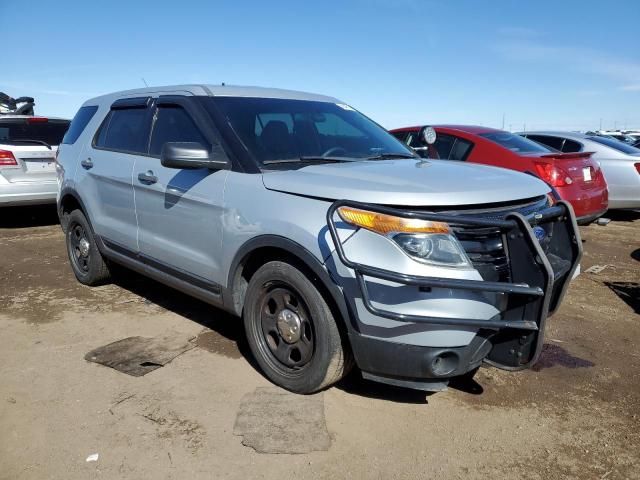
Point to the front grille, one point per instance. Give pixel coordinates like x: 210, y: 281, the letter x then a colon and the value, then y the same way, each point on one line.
x: 485, y: 249
x: 484, y: 246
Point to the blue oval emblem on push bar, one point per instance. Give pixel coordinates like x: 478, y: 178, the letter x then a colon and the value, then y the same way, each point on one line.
x: 540, y: 233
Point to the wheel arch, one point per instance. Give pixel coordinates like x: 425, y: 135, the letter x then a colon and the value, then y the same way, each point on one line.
x: 260, y: 250
x: 69, y: 201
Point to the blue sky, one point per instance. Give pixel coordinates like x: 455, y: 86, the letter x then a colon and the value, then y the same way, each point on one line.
x: 543, y: 64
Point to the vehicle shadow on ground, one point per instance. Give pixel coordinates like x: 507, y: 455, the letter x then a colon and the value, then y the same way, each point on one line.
x: 356, y: 385
x: 623, y: 215
x: 230, y: 340
x: 28, y: 216
x: 229, y: 333
x: 628, y: 292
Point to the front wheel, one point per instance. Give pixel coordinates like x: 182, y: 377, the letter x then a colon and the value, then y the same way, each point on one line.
x: 291, y: 330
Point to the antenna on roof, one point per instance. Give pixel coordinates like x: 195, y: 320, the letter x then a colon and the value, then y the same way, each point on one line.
x: 144, y: 81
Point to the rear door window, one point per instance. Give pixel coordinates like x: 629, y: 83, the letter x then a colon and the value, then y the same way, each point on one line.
x: 461, y: 149
x: 78, y: 124
x: 125, y: 130
x: 444, y: 145
x: 32, y: 131
x: 173, y: 124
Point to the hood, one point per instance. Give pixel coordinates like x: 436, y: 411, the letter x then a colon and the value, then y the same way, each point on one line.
x: 407, y: 182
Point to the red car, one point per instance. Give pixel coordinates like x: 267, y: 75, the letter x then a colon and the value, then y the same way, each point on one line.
x: 576, y: 177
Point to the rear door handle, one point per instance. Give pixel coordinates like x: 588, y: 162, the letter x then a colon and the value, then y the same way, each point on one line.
x: 147, y: 178
x: 87, y: 164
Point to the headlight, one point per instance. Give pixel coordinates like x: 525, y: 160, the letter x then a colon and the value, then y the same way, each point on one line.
x: 436, y: 249
x: 423, y: 240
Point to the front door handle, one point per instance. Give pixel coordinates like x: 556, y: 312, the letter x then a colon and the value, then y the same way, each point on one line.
x: 147, y: 178
x: 87, y: 164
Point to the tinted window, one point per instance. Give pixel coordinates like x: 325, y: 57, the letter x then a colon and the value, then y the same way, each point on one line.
x: 22, y: 131
x: 173, y: 124
x: 126, y: 130
x: 460, y: 150
x: 551, y: 142
x: 411, y: 137
x: 515, y: 143
x: 289, y: 129
x: 444, y: 145
x: 616, y: 145
x: 264, y: 118
x: 571, y: 146
x: 334, y: 125
x: 414, y: 140
x: 79, y: 123
x: 400, y: 136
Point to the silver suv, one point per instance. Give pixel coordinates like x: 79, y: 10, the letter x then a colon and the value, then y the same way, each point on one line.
x: 332, y: 240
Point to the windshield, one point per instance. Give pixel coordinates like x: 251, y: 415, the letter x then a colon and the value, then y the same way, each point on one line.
x: 616, y: 145
x: 515, y: 143
x: 280, y: 129
x: 21, y: 131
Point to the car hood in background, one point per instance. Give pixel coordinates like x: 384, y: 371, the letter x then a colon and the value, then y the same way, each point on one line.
x: 407, y: 182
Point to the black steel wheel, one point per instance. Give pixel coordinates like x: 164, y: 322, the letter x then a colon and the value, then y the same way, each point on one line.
x: 287, y: 331
x: 80, y: 247
x: 291, y: 330
x: 86, y: 261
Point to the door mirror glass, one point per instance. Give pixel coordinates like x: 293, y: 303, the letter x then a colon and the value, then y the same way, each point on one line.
x: 190, y: 155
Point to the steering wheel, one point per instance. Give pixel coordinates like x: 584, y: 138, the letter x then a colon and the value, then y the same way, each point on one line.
x: 332, y: 151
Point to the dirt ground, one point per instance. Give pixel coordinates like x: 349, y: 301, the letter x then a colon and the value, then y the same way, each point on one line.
x: 575, y: 415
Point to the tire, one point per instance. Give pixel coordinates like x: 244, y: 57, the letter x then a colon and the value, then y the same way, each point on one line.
x: 305, y: 359
x: 86, y: 261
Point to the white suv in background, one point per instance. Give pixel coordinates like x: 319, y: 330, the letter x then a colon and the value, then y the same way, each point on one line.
x: 28, y: 146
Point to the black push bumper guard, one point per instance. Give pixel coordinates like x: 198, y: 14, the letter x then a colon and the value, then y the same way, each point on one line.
x: 537, y: 286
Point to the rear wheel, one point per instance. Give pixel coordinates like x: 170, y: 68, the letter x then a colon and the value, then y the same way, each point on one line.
x: 291, y: 330
x: 86, y: 261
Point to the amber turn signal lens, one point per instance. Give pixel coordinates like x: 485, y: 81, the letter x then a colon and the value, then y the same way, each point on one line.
x: 386, y: 224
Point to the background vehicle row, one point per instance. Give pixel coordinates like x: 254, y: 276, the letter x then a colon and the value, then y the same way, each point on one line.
x: 574, y: 176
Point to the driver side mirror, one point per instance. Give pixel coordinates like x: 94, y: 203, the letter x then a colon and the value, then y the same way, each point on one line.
x: 190, y: 155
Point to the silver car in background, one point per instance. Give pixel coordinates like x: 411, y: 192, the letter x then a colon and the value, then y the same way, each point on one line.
x: 28, y: 146
x: 619, y: 161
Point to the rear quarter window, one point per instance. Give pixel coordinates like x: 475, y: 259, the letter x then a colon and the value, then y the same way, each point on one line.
x: 79, y: 123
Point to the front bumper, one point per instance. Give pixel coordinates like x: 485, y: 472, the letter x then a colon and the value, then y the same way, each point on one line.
x: 512, y: 338
x: 28, y: 193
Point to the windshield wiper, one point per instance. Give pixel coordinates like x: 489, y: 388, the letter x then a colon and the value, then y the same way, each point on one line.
x: 390, y: 156
x: 27, y: 140
x: 307, y: 158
